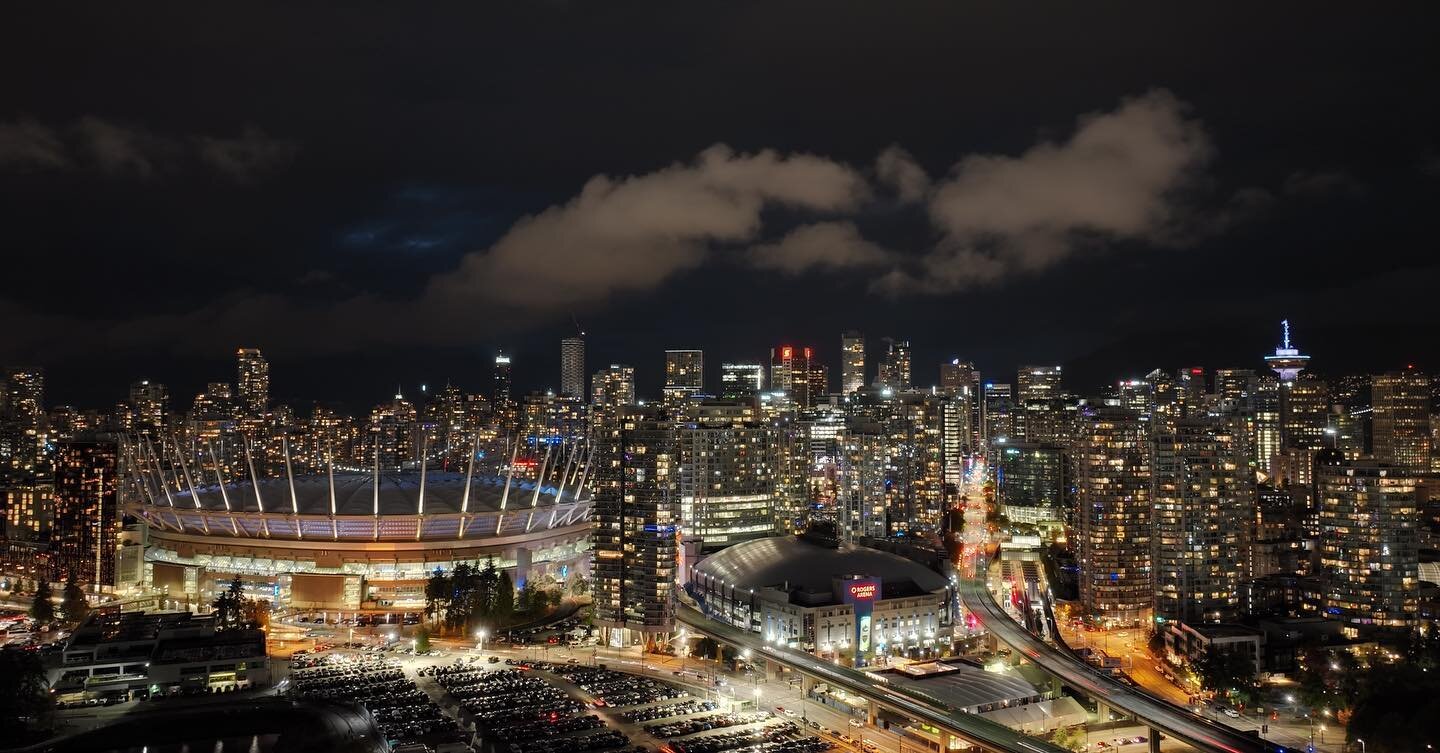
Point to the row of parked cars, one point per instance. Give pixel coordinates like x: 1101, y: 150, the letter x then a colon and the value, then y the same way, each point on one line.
x: 616, y: 689
x: 705, y: 723
x: 780, y: 737
x: 403, y: 712
x: 668, y: 710
x: 516, y: 709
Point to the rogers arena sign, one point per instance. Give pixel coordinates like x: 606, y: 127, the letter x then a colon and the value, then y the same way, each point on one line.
x: 862, y: 591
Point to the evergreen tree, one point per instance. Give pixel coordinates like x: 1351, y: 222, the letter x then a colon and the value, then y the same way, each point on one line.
x: 422, y: 640
x: 229, y: 605
x: 504, y: 598
x: 486, y: 586
x: 42, y: 609
x: 462, y: 587
x: 525, y: 599
x: 437, y: 594
x: 73, y: 606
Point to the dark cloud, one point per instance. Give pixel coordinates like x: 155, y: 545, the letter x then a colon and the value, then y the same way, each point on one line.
x: 249, y: 157
x: 27, y: 145
x: 834, y: 245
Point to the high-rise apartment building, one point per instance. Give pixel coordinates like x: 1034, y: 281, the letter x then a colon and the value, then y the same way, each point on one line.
x: 741, y: 381
x: 1400, y: 419
x: 1369, y: 542
x: 727, y: 479
x: 961, y: 380
x: 684, y: 375
x: 252, y: 381
x: 1307, y: 414
x: 149, y: 402
x: 86, y: 519
x: 1112, y: 498
x: 636, y: 533
x: 852, y: 364
x: 572, y: 366
x: 613, y: 388
x: 22, y: 396
x: 1203, y: 512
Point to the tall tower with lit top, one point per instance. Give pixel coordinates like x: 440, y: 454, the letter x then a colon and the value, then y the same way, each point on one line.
x: 1287, y: 361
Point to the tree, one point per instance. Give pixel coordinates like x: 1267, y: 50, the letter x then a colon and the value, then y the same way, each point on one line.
x: 25, y: 702
x: 437, y: 594
x: 73, y: 606
x: 229, y: 605
x: 1226, y: 672
x: 42, y: 609
x: 255, y: 613
x: 555, y: 596
x: 1397, y: 707
x: 525, y: 600
x: 504, y: 598
x: 579, y: 586
x: 422, y: 639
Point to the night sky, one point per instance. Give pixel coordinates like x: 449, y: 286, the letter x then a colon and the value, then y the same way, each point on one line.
x: 378, y: 196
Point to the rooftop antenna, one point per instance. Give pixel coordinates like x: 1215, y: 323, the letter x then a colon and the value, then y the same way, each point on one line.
x: 1285, y: 326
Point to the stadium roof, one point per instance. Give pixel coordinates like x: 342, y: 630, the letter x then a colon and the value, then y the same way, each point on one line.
x: 355, y: 494
x: 794, y: 564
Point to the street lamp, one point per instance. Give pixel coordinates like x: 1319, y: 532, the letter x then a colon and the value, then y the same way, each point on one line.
x: 757, y: 697
x: 480, y: 636
x: 1362, y: 744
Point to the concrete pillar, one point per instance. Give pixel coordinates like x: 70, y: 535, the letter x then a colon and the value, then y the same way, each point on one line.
x: 1102, y: 711
x: 807, y: 684
x: 871, y: 713
x: 1154, y: 740
x: 522, y: 566
x: 772, y: 670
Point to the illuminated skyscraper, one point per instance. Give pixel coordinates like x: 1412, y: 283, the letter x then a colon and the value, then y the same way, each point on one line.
x: 149, y: 402
x: 1369, y: 542
x: 572, y: 366
x: 252, y: 381
x: 1037, y: 383
x: 727, y: 479
x: 1030, y: 481
x: 997, y: 414
x: 795, y: 372
x: 1112, y: 498
x: 1203, y: 502
x: 501, y: 397
x: 613, y: 388
x: 636, y: 498
x: 1307, y: 414
x: 852, y: 354
x: 22, y: 396
x: 895, y: 366
x: 741, y: 381
x: 684, y: 375
x: 86, y: 518
x: 961, y: 380
x: 1400, y: 420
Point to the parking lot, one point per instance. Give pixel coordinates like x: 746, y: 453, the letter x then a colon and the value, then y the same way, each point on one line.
x: 404, y: 713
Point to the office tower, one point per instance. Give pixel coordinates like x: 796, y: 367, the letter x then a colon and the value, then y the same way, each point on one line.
x: 1044, y: 421
x: 1400, y: 419
x: 1112, y: 498
x: 852, y: 364
x: 1265, y: 443
x: 895, y: 366
x: 997, y: 414
x: 1037, y: 383
x: 1190, y: 391
x: 1235, y: 384
x: 1203, y: 504
x: 741, y: 381
x: 149, y: 402
x: 684, y: 375
x: 252, y: 381
x: 1345, y: 431
x: 1030, y: 482
x: 792, y: 372
x: 727, y: 481
x: 392, y: 439
x: 962, y: 380
x: 572, y: 366
x: 1308, y: 413
x: 1368, y: 542
x: 86, y: 519
x: 817, y: 384
x: 501, y: 393
x: 636, y: 496
x: 22, y: 397
x: 1136, y: 395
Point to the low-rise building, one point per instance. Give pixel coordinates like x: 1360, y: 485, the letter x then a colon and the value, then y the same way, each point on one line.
x: 1190, y: 643
x: 138, y: 654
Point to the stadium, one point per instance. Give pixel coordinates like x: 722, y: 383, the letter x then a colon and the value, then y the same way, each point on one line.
x: 351, y: 541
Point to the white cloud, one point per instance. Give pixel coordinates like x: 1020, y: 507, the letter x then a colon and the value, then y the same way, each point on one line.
x: 1116, y: 179
x: 629, y: 234
x: 824, y: 244
x: 898, y: 171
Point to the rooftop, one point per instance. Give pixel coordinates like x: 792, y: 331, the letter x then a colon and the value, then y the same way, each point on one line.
x: 805, y: 568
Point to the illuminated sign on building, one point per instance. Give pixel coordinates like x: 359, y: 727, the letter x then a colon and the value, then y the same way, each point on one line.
x: 865, y: 591
x: 861, y: 593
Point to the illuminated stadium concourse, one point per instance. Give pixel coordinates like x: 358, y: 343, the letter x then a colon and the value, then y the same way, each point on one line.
x: 353, y: 541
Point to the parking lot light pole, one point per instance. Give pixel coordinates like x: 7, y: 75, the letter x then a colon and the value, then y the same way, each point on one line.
x: 480, y: 636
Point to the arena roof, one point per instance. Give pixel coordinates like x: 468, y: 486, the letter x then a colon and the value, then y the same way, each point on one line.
x: 355, y: 494
x: 794, y: 564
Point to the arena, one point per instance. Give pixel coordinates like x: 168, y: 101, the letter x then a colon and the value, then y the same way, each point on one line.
x: 351, y: 541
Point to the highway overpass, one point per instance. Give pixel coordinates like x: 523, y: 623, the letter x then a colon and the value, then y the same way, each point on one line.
x: 971, y: 728
x: 1171, y: 720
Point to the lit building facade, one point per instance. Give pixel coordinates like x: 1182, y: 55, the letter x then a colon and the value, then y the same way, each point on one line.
x: 1368, y: 542
x: 252, y: 381
x: 852, y: 364
x: 684, y: 375
x: 1030, y: 482
x: 1203, y: 502
x: 86, y: 517
x: 727, y: 479
x: 572, y: 366
x: 1112, y: 497
x: 1400, y: 419
x: 741, y: 381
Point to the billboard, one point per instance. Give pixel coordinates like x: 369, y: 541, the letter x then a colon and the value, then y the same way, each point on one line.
x: 861, y: 594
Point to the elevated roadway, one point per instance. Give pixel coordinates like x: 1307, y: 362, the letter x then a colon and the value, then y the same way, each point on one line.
x: 1171, y: 720
x: 971, y: 728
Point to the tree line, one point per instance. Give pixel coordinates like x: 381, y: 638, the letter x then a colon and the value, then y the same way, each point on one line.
x: 469, y: 597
